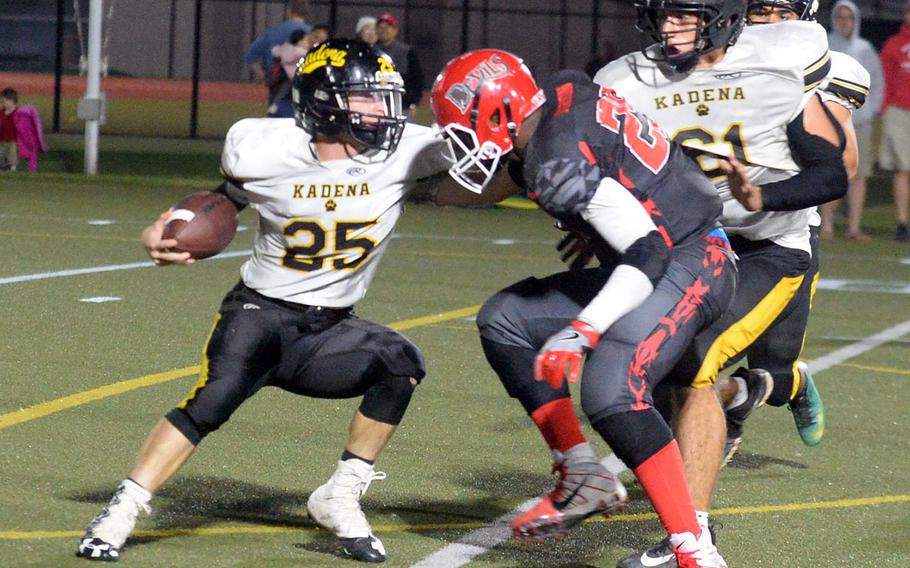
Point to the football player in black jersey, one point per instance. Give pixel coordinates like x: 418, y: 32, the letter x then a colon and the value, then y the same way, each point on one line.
x: 666, y: 272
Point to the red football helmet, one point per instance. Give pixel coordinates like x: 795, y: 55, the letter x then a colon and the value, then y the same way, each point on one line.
x: 480, y: 100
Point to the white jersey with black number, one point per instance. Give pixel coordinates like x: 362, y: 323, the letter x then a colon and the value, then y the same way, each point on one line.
x: 741, y: 106
x: 323, y: 226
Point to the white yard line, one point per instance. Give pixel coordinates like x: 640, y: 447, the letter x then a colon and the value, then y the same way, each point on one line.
x: 97, y: 269
x: 479, y: 541
x: 148, y: 264
x: 475, y: 542
x: 855, y: 349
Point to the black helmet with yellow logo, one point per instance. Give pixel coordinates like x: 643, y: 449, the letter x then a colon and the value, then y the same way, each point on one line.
x: 347, y: 88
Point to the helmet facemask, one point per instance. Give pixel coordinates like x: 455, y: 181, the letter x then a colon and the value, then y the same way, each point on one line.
x: 713, y: 29
x: 339, y: 111
x: 377, y: 129
x: 473, y: 164
x: 804, y: 9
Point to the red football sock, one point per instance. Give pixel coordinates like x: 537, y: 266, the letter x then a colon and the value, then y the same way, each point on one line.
x: 557, y: 422
x: 663, y: 477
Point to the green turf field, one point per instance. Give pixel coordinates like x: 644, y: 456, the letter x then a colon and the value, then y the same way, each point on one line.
x: 465, y: 454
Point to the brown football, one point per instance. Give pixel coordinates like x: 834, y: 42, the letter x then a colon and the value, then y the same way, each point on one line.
x: 203, y: 224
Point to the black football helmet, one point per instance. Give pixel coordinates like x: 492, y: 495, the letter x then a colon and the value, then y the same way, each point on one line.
x: 805, y: 9
x: 720, y: 23
x: 333, y: 72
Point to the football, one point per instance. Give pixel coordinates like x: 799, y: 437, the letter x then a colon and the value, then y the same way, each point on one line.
x: 203, y: 224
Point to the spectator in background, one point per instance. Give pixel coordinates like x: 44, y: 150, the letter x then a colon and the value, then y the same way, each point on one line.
x: 844, y: 37
x: 259, y: 55
x: 319, y: 34
x: 366, y: 30
x: 284, y: 66
x: 387, y: 30
x: 21, y: 133
x: 894, y: 153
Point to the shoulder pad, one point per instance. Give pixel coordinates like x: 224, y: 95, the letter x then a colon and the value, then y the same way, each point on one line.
x: 796, y: 46
x: 616, y: 70
x: 847, y: 80
x: 255, y: 148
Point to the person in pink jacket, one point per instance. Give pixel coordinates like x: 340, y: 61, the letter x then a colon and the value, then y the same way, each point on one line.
x: 21, y: 133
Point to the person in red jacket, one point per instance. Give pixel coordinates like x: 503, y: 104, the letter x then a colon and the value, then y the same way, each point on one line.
x: 9, y: 155
x: 894, y: 154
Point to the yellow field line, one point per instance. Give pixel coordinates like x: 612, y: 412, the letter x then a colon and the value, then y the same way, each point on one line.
x: 877, y: 369
x: 261, y: 529
x: 427, y: 320
x: 85, y: 397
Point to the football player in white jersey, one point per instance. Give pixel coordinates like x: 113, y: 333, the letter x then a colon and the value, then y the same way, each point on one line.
x: 777, y: 350
x: 329, y: 188
x: 754, y: 100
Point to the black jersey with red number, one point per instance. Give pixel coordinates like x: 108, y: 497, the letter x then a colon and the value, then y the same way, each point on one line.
x: 588, y: 133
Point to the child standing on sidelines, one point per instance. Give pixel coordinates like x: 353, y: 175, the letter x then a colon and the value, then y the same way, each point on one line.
x: 21, y: 133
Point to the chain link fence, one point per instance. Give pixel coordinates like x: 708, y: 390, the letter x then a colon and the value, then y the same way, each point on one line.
x: 175, y: 68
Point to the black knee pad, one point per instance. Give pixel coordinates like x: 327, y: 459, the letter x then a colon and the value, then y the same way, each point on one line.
x: 634, y: 435
x: 515, y: 368
x: 180, y: 420
x: 388, y: 399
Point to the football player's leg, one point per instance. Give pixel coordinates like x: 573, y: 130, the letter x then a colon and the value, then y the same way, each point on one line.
x: 644, y: 346
x: 769, y: 277
x: 514, y: 323
x: 778, y: 350
x: 353, y: 358
x: 758, y: 300
x: 236, y: 359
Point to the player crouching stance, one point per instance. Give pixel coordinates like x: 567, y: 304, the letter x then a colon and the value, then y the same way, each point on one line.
x: 666, y: 272
x: 289, y: 322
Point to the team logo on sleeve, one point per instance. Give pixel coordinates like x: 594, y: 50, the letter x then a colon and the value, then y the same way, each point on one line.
x: 461, y: 94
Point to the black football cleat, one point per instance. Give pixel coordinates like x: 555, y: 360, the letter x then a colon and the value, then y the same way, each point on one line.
x: 96, y: 549
x: 363, y: 549
x: 759, y: 384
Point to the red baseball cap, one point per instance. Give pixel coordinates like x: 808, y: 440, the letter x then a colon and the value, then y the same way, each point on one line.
x: 388, y: 19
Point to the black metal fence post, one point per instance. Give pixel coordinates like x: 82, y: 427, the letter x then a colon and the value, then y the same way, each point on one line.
x: 563, y: 32
x: 194, y: 104
x: 465, y: 19
x: 595, y: 27
x: 58, y: 66
x: 333, y: 16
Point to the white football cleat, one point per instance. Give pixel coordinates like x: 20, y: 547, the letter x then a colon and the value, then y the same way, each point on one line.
x: 335, y: 505
x: 692, y: 552
x: 105, y: 535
